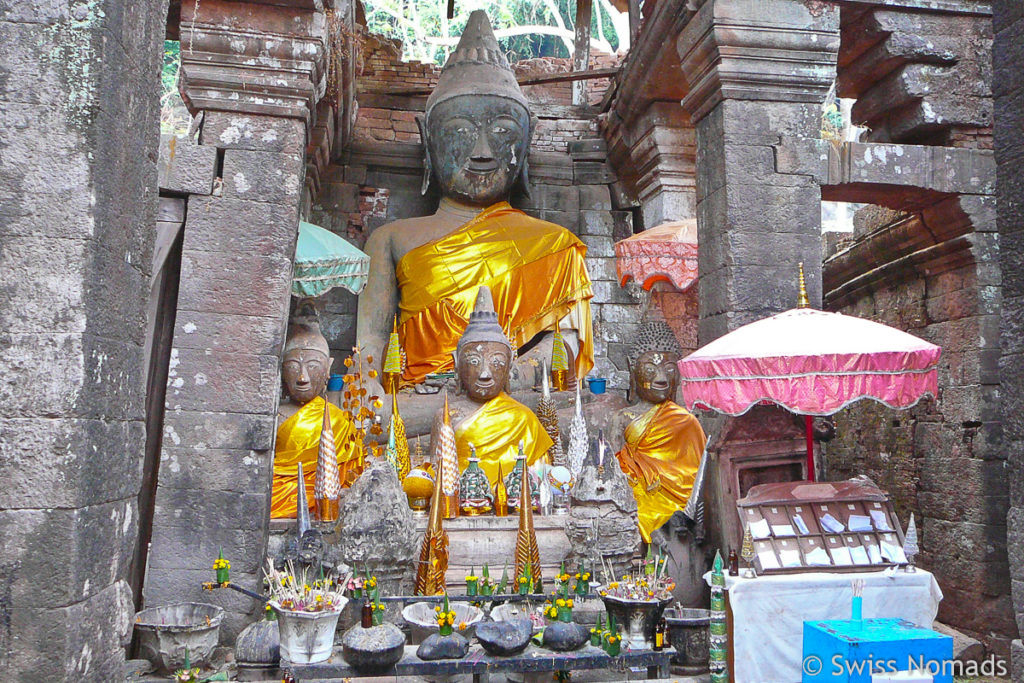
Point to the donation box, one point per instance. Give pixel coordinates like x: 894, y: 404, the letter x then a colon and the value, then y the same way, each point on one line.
x: 871, y: 650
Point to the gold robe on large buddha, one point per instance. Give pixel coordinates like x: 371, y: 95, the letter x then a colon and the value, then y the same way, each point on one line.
x: 495, y: 430
x: 662, y: 452
x: 298, y: 440
x: 535, y: 269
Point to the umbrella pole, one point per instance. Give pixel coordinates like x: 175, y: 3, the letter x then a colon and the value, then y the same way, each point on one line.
x: 809, y: 424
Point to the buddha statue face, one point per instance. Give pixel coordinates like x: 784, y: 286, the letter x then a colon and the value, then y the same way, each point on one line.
x: 656, y: 376
x: 483, y: 369
x: 305, y: 373
x: 476, y: 146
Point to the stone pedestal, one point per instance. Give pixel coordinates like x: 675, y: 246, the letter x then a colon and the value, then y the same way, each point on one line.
x: 473, y: 541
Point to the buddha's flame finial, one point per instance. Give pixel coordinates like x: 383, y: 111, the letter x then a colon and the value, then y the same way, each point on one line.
x: 802, y: 300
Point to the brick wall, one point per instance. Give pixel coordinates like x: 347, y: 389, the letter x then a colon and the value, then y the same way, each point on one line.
x: 941, y: 459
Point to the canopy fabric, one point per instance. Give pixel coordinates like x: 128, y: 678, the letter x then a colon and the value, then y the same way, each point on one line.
x: 810, y: 362
x: 324, y: 260
x: 667, y: 252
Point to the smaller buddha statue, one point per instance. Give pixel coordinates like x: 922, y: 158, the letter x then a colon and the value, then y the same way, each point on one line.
x: 305, y: 369
x: 481, y: 413
x: 662, y: 441
x: 475, y: 497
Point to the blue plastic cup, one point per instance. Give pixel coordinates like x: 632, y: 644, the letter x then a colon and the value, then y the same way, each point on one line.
x: 597, y: 384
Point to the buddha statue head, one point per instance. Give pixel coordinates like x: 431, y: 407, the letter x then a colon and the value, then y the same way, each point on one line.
x: 483, y: 356
x: 307, y: 363
x: 654, y: 375
x: 477, y: 125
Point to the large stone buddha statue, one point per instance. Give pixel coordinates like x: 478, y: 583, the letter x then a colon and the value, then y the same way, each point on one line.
x: 304, y: 371
x: 483, y: 416
x: 661, y: 442
x: 476, y: 130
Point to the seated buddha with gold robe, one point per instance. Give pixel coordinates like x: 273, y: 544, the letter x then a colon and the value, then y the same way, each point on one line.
x: 304, y: 372
x: 476, y: 130
x: 662, y: 441
x: 483, y: 416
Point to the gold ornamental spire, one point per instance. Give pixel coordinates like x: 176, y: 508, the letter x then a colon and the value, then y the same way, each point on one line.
x: 802, y: 300
x: 434, y: 553
x: 527, y: 552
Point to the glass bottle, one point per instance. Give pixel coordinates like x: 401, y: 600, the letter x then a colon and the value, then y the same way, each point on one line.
x: 734, y: 563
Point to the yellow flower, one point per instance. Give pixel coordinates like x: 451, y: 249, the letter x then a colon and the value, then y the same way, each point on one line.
x: 613, y: 584
x: 348, y: 362
x: 437, y: 609
x: 586, y: 576
x: 451, y: 616
x: 440, y: 622
x: 568, y: 603
x: 560, y: 602
x: 463, y: 626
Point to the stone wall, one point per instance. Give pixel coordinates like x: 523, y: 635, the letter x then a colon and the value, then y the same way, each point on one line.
x: 78, y: 194
x: 378, y: 180
x: 936, y: 276
x: 1008, y: 63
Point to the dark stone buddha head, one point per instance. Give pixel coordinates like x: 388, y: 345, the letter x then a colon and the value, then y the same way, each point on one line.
x: 483, y: 356
x: 477, y: 125
x: 656, y: 376
x: 306, y: 365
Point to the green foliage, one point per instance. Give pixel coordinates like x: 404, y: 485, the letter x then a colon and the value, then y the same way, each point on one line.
x: 174, y: 117
x: 422, y: 26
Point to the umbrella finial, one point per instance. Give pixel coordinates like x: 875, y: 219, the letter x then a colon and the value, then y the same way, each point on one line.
x: 802, y: 300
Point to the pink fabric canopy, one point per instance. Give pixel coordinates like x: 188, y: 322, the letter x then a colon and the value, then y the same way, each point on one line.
x: 809, y: 362
x: 667, y: 252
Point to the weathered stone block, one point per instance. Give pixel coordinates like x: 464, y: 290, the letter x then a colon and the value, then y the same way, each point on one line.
x: 88, y: 462
x: 598, y: 223
x: 598, y: 246
x: 263, y: 176
x: 263, y: 133
x: 231, y: 225
x: 228, y: 333
x: 592, y: 173
x: 602, y: 269
x: 186, y: 167
x: 234, y: 283
x: 80, y: 551
x: 595, y: 197
x: 82, y: 641
x: 203, y: 380
x: 195, y: 466
x: 552, y: 198
x: 611, y: 292
x: 219, y: 430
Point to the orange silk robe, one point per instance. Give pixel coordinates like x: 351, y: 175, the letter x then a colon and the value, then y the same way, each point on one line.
x: 535, y: 269
x: 662, y: 452
x: 495, y: 430
x: 298, y: 440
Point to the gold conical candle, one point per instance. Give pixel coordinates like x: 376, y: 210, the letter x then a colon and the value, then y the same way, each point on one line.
x: 392, y: 374
x: 500, y: 495
x: 401, y: 442
x: 434, y: 553
x: 527, y: 551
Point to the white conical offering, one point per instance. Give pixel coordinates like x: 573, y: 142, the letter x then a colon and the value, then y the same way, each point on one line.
x: 577, y: 439
x: 910, y: 548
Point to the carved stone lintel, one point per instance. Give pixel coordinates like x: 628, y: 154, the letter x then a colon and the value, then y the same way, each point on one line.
x: 253, y: 59
x: 917, y: 76
x: 768, y: 50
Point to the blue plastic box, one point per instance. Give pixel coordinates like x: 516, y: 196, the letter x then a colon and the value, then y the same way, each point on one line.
x: 852, y: 651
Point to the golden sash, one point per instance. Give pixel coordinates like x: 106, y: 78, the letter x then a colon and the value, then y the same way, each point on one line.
x: 662, y: 452
x: 495, y: 430
x: 298, y: 440
x: 536, y: 271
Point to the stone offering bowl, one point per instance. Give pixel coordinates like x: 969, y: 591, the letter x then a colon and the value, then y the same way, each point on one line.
x: 422, y: 619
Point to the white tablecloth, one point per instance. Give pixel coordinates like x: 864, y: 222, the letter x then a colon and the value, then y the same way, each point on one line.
x: 769, y: 612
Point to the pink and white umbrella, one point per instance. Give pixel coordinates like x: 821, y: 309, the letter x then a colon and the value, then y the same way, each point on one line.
x: 811, y: 363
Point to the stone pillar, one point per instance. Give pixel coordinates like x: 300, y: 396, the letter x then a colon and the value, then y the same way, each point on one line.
x: 254, y: 71
x: 758, y: 72
x: 78, y: 205
x: 1007, y: 62
x: 663, y: 147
